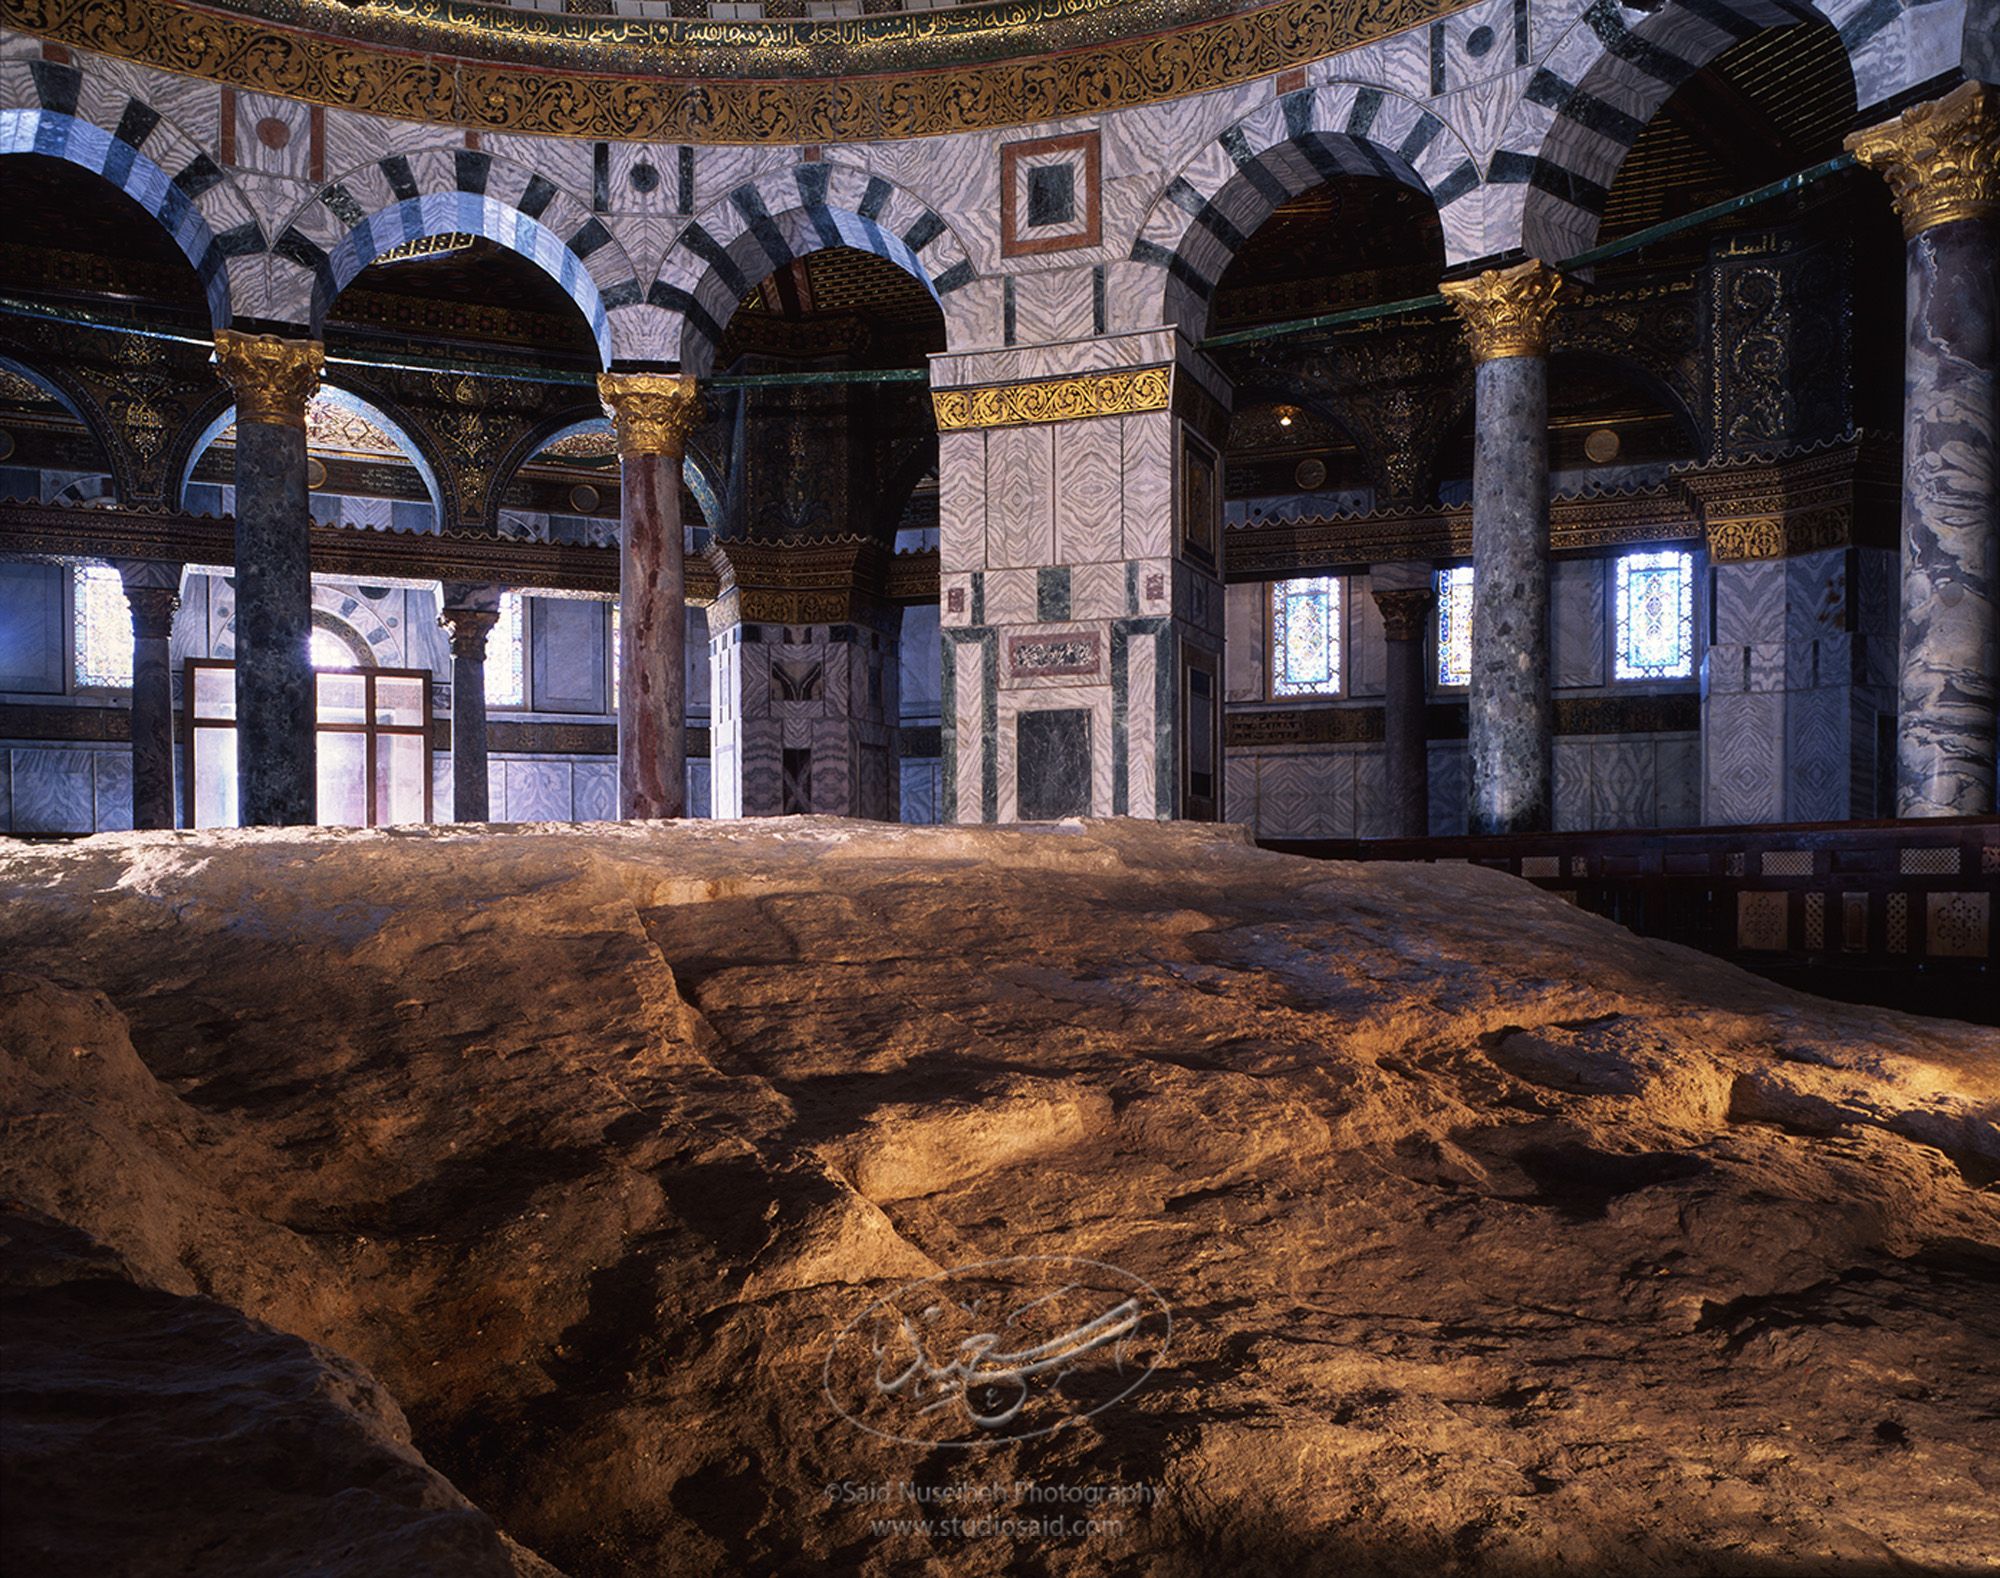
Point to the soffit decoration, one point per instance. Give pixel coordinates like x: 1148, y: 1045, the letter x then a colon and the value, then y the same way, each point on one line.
x: 891, y: 74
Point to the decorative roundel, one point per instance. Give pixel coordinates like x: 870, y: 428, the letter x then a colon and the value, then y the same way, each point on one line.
x: 273, y: 133
x: 1602, y: 445
x: 315, y: 472
x: 1310, y: 473
x: 645, y: 176
x: 6, y: 443
x: 1478, y: 41
x: 583, y: 498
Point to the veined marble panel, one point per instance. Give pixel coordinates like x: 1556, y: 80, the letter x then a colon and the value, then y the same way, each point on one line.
x: 961, y: 501
x: 1089, y: 491
x: 1149, y: 485
x: 1020, y: 496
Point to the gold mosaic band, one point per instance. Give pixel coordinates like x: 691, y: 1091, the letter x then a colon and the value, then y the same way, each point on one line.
x: 1053, y: 400
x: 917, y: 74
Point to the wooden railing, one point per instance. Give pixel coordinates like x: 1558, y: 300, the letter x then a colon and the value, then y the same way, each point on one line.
x: 1898, y: 913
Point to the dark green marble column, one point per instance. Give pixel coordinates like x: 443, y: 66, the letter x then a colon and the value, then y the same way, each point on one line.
x: 273, y: 379
x: 1511, y: 735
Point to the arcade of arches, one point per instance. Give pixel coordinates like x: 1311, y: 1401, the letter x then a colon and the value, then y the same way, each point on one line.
x: 1540, y: 416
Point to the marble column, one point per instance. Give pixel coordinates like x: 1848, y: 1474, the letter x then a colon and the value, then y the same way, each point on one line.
x: 469, y: 613
x: 1942, y: 163
x: 273, y: 379
x: 153, y: 589
x: 1510, y: 744
x: 653, y: 414
x: 1405, y: 594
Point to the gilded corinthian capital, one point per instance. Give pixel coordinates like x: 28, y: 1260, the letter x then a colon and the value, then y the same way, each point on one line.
x: 1941, y: 160
x: 273, y: 378
x: 1506, y: 310
x: 652, y: 412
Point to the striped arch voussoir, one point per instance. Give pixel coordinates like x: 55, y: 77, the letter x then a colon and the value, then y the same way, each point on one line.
x: 407, y: 197
x: 62, y: 112
x: 1212, y: 207
x: 1588, y: 99
x: 763, y: 225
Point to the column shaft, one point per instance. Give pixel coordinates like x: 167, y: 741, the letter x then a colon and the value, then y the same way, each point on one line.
x: 273, y: 380
x: 1942, y: 163
x: 652, y: 666
x: 274, y: 678
x: 1510, y: 744
x: 1946, y: 724
x: 653, y: 413
x: 152, y: 702
x: 469, y: 623
x: 1510, y: 749
x: 1405, y: 743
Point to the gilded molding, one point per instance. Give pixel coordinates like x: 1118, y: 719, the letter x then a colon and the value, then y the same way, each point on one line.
x: 1765, y: 508
x: 653, y: 413
x: 1053, y: 400
x: 1506, y: 310
x: 850, y: 79
x: 272, y: 378
x: 1941, y: 160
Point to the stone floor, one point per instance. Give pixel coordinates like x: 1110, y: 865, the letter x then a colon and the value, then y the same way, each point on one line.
x: 413, y: 1200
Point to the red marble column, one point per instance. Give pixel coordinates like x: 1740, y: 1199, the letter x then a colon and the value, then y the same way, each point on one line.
x: 653, y: 413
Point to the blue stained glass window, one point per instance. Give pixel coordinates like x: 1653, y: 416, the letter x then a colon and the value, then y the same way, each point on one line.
x: 505, y: 684
x: 1305, y: 637
x: 1654, y: 610
x: 103, y: 621
x: 1454, y: 593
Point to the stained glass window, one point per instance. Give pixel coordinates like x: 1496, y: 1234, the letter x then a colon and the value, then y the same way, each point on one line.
x: 1305, y: 637
x: 103, y: 622
x: 1654, y: 609
x: 1454, y: 592
x: 505, y: 684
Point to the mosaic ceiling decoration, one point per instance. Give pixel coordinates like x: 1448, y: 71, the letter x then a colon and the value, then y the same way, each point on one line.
x: 892, y: 74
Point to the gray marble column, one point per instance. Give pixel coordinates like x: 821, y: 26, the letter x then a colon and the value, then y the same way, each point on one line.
x: 469, y: 613
x: 273, y: 379
x: 1941, y: 161
x: 653, y: 413
x: 154, y: 591
x: 1405, y: 594
x: 1511, y: 737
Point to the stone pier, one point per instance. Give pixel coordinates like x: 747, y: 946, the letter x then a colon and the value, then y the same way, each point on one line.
x: 1510, y: 746
x: 1080, y: 489
x: 803, y: 679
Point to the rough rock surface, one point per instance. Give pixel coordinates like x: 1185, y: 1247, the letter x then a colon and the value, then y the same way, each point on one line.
x: 1495, y: 1239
